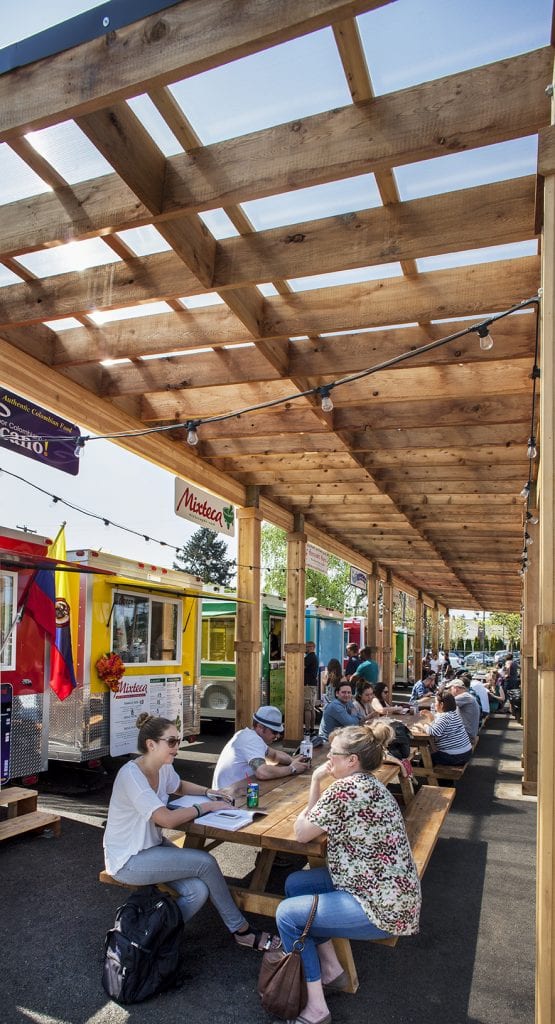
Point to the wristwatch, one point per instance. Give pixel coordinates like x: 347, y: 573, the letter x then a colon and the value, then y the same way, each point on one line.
x: 293, y: 769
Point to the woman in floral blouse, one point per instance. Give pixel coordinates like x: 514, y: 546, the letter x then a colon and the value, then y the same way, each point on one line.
x: 370, y: 889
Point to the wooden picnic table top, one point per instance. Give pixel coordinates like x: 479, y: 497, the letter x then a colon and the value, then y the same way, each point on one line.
x: 282, y: 799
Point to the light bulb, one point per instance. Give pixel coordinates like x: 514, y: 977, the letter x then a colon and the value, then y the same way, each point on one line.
x: 532, y: 450
x: 525, y: 490
x: 533, y: 520
x: 192, y: 436
x: 486, y: 340
x: 527, y: 539
x: 327, y: 404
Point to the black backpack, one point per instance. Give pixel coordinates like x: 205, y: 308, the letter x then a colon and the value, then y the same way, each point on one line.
x: 142, y: 949
x: 400, y: 744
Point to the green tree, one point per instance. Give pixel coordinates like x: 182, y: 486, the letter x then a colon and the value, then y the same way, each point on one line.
x: 333, y: 590
x: 205, y: 555
x: 508, y: 624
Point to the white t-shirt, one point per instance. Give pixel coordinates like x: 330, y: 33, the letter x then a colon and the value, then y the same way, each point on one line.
x: 233, y: 762
x: 130, y: 828
x: 482, y: 693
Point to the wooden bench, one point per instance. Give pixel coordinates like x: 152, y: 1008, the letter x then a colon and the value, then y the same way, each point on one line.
x: 22, y: 815
x: 110, y: 880
x: 433, y: 772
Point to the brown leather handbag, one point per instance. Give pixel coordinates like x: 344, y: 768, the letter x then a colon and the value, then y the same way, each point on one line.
x: 281, y: 982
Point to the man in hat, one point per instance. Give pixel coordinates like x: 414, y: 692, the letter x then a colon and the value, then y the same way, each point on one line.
x: 248, y: 753
x: 468, y: 705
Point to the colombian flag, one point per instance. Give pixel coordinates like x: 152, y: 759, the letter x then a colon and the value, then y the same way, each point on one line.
x: 39, y: 601
x: 62, y: 678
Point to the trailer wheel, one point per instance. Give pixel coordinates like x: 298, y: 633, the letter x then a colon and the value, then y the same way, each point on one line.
x: 218, y: 699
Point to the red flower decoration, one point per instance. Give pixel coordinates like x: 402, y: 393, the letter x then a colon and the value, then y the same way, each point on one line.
x: 110, y: 669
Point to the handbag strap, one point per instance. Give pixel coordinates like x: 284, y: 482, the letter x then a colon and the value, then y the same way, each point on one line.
x: 310, y: 919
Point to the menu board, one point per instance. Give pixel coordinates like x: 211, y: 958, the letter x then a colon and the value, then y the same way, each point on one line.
x: 5, y: 732
x: 161, y: 696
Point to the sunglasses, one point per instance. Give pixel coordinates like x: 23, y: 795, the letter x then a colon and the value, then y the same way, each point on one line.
x: 172, y: 741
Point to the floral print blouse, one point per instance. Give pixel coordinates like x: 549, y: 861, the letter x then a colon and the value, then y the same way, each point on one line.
x: 368, y: 851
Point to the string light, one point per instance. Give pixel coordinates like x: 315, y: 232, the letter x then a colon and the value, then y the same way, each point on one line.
x: 327, y: 404
x: 191, y: 425
x: 192, y: 435
x: 525, y: 492
x: 533, y: 520
x: 528, y: 539
x: 532, y: 450
x: 486, y: 340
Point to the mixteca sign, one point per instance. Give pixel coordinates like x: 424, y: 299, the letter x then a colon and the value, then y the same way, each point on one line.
x: 358, y: 578
x: 204, y: 509
x: 40, y: 435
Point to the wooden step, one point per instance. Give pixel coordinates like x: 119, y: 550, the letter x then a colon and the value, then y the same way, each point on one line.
x: 35, y: 821
x: 18, y: 800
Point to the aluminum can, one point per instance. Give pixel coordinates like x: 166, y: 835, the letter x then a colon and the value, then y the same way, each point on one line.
x: 252, y: 794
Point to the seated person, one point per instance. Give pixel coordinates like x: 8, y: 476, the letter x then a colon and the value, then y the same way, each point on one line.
x: 496, y: 691
x: 478, y: 687
x: 423, y: 689
x: 370, y: 887
x: 379, y: 703
x: 469, y: 707
x: 451, y: 739
x: 364, y: 695
x: 248, y: 754
x: 339, y: 711
x: 135, y: 851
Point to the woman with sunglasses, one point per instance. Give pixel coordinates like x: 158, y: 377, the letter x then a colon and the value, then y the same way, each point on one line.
x: 370, y: 889
x: 135, y: 850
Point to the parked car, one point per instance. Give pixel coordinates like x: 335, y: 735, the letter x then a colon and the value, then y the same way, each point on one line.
x: 476, y: 659
x: 500, y: 656
x: 454, y: 660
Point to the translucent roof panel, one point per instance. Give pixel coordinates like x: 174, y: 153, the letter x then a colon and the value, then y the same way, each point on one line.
x: 129, y: 312
x: 17, y: 180
x: 197, y: 301
x: 297, y: 78
x: 414, y: 41
x: 488, y: 254
x: 218, y: 223
x: 69, y: 152
x: 62, y: 325
x: 144, y: 241
x: 7, y: 277
x: 312, y: 203
x: 151, y: 119
x: 304, y: 284
x: 63, y: 259
x: 501, y: 162
x: 267, y: 289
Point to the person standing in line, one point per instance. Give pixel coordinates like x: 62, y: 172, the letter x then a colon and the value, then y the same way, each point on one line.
x: 311, y: 680
x: 353, y: 660
x: 368, y: 668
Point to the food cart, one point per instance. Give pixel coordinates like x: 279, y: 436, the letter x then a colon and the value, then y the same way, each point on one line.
x: 149, y: 617
x: 24, y: 660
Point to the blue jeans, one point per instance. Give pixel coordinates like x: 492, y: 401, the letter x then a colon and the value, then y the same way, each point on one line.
x: 339, y: 915
x: 194, y: 874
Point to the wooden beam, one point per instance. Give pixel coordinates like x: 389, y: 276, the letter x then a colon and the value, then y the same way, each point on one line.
x: 167, y: 46
x: 467, y: 219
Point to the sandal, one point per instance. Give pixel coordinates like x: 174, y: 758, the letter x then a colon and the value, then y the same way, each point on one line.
x: 257, y: 940
x: 406, y: 769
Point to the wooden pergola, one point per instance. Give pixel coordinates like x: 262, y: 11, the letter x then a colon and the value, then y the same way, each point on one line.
x: 415, y: 474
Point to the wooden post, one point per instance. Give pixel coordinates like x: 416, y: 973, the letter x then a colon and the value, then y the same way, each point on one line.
x: 248, y: 647
x: 544, y: 660
x: 373, y: 613
x: 529, y: 675
x: 388, y: 652
x: 295, y: 632
x: 435, y: 629
x: 418, y: 636
x: 446, y: 633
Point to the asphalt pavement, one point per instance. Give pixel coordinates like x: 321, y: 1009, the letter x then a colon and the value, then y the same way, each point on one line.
x: 472, y: 962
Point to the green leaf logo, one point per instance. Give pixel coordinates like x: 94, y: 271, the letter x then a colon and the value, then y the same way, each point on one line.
x: 229, y: 515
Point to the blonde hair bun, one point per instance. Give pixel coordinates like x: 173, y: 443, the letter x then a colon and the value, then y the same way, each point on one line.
x: 142, y: 719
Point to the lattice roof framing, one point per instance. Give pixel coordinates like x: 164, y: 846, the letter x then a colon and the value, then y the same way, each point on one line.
x: 418, y: 467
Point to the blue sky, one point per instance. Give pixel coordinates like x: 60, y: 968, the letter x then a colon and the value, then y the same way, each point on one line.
x: 405, y: 43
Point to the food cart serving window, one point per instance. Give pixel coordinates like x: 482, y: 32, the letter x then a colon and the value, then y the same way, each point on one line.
x: 146, y: 629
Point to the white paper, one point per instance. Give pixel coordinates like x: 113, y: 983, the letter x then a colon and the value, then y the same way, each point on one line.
x: 230, y: 820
